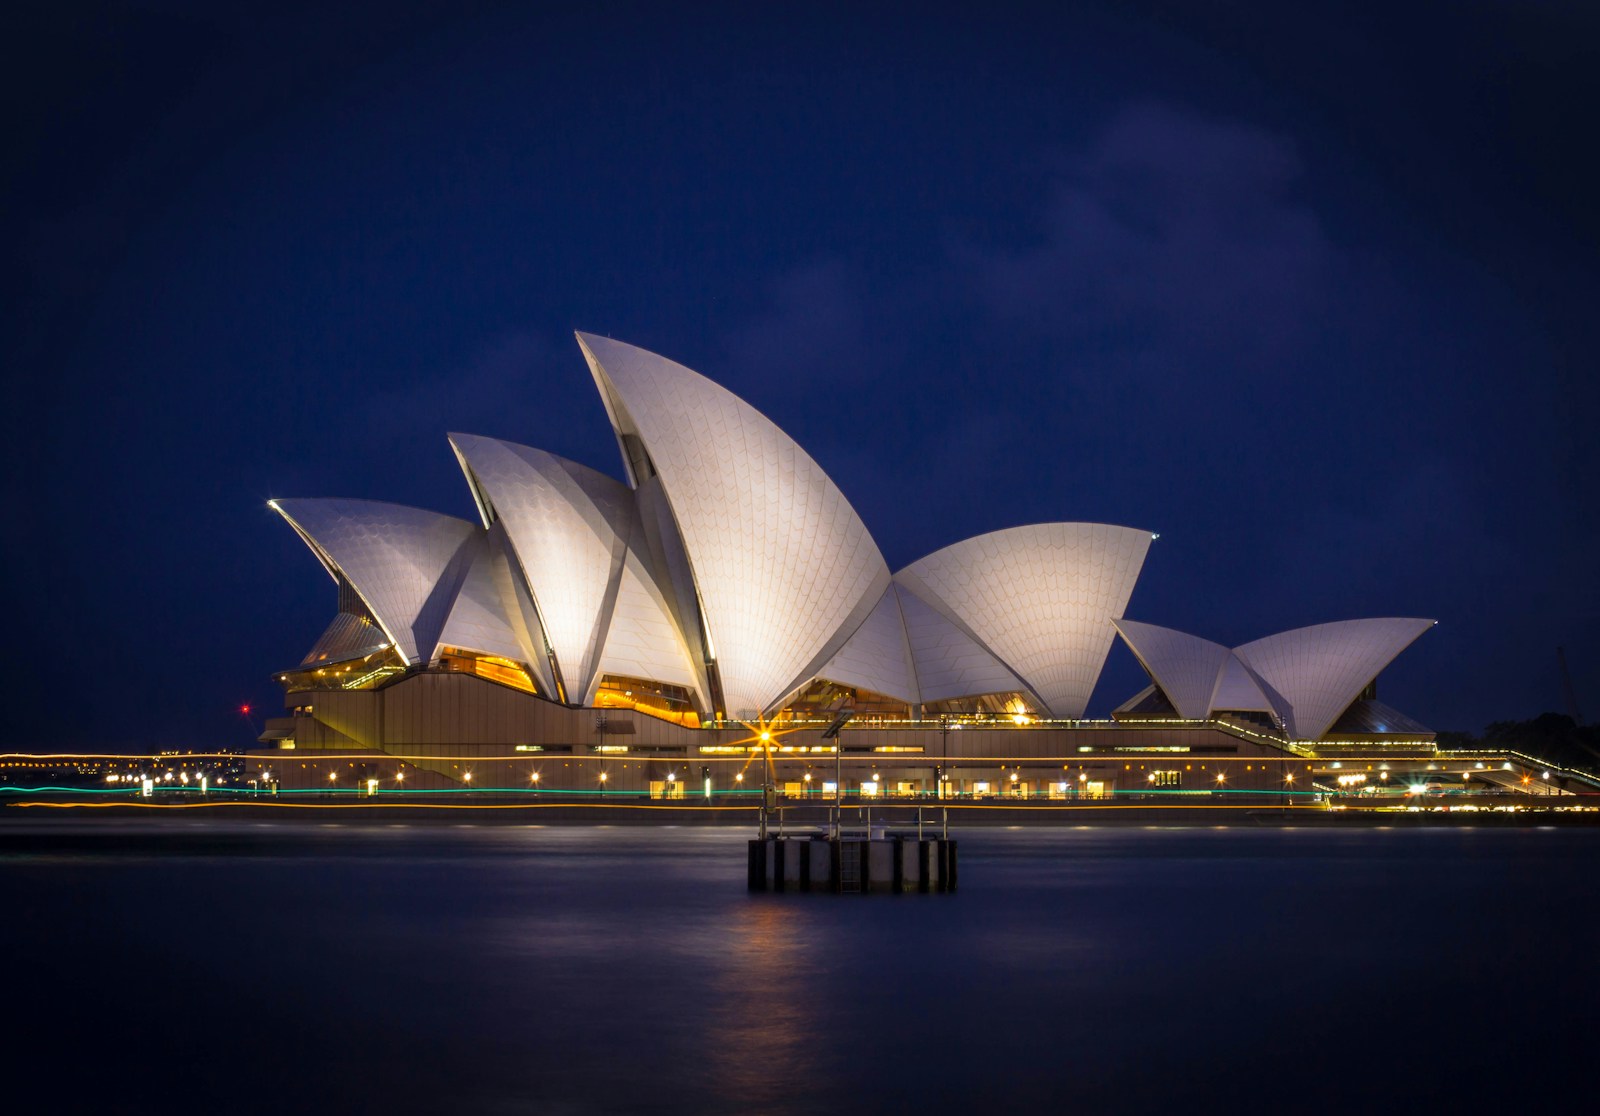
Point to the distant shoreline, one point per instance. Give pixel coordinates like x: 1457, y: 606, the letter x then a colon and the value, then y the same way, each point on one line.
x: 898, y: 817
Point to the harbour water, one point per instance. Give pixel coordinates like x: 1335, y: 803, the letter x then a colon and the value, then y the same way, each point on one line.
x: 174, y: 966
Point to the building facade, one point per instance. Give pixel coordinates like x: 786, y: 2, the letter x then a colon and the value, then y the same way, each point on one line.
x: 724, y: 601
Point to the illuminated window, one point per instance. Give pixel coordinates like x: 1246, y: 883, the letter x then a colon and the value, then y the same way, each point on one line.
x: 491, y: 668
x: 821, y: 700
x: 658, y: 699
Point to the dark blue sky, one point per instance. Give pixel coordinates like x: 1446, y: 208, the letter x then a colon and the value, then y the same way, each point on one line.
x: 1309, y: 289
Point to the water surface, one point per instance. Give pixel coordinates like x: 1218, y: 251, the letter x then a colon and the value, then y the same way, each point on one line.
x: 206, y: 967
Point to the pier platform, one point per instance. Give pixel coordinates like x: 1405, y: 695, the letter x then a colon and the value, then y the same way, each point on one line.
x: 893, y: 862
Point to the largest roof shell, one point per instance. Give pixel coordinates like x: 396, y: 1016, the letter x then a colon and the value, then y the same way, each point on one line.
x: 784, y: 568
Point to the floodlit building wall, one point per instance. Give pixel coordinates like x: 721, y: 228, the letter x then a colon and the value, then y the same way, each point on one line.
x: 447, y: 723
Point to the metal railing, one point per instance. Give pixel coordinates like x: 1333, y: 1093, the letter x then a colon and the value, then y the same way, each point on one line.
x: 836, y: 821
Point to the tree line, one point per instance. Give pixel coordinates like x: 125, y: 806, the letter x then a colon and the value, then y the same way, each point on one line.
x: 1553, y: 737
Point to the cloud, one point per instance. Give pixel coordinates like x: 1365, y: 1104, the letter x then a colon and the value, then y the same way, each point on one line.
x: 1169, y: 229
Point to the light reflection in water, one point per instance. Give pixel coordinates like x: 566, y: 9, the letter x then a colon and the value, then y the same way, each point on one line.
x: 519, y: 969
x: 766, y: 1023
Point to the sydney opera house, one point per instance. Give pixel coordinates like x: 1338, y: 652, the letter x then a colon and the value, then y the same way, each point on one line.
x: 652, y: 634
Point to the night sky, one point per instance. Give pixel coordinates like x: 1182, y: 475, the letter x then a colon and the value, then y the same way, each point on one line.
x: 1310, y: 289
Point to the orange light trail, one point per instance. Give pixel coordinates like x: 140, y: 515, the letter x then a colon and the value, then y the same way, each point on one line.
x: 281, y: 805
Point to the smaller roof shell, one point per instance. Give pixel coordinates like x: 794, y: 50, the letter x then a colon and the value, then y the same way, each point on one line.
x: 1039, y: 598
x: 569, y: 527
x: 479, y: 616
x: 878, y: 656
x: 1320, y: 670
x: 1185, y: 666
x: 405, y: 563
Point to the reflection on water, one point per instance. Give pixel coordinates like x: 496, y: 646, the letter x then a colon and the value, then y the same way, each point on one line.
x: 391, y: 969
x: 765, y: 1023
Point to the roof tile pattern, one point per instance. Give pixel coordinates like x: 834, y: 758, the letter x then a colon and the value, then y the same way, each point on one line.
x: 519, y: 611
x: 402, y: 561
x: 1320, y: 670
x: 478, y: 618
x: 948, y: 662
x: 347, y: 637
x: 569, y: 527
x: 642, y: 641
x: 780, y: 558
x: 1238, y: 690
x: 877, y: 657
x: 1184, y: 666
x: 1041, y: 598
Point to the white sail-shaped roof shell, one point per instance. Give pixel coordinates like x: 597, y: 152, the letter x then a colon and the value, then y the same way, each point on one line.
x: 878, y: 656
x: 348, y: 636
x: 1318, y: 671
x: 479, y: 618
x: 948, y: 662
x: 1186, y: 667
x: 1239, y: 690
x: 1040, y: 598
x: 574, y: 532
x: 405, y: 563
x: 641, y: 640
x: 784, y: 569
x: 522, y: 617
